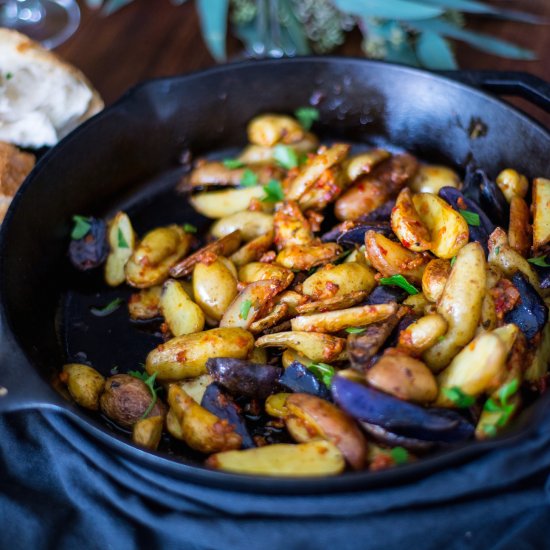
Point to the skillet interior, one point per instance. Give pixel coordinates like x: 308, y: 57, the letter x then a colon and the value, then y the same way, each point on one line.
x: 129, y: 156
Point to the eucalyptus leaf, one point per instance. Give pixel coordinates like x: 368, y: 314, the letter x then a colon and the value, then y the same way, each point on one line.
x: 480, y: 41
x: 213, y: 19
x: 434, y: 52
x: 385, y: 9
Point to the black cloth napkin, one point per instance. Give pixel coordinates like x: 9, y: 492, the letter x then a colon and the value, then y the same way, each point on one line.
x: 60, y: 490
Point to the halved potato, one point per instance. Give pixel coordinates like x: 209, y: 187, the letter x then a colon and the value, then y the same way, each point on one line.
x: 407, y: 225
x: 305, y: 257
x: 422, y: 334
x: 252, y: 250
x: 84, y: 383
x: 250, y: 224
x: 181, y: 314
x: 512, y: 184
x: 220, y: 204
x: 260, y: 271
x: 541, y: 209
x: 145, y: 304
x: 147, y: 432
x: 519, y: 231
x: 430, y: 178
x: 122, y: 241
x: 435, y: 278
x: 195, y: 387
x: 290, y: 226
x: 363, y: 163
x: 448, y: 229
x: 268, y: 129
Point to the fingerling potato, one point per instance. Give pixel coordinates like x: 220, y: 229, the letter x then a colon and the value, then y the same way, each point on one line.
x: 122, y: 241
x: 84, y: 383
x: 181, y: 314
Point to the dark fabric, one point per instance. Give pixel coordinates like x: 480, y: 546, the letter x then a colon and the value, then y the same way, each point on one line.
x: 59, y: 490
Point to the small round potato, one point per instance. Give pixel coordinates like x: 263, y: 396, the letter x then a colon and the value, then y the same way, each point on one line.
x: 269, y: 129
x: 403, y: 376
x: 431, y: 178
x: 147, y: 432
x: 434, y: 278
x: 84, y: 383
x: 512, y: 184
x: 126, y: 399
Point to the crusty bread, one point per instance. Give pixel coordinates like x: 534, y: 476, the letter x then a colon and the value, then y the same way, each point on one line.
x: 15, y: 165
x: 42, y: 98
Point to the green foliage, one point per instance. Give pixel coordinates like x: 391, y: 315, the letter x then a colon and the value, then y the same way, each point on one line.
x: 414, y: 32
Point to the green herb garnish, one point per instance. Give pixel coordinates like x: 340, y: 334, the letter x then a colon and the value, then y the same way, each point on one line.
x: 285, y: 156
x: 150, y: 383
x: 249, y: 178
x: 189, y: 228
x: 233, y: 163
x: 114, y: 370
x: 497, y: 250
x: 501, y: 404
x: 489, y: 429
x: 306, y: 116
x: 245, y: 309
x: 108, y: 309
x: 355, y: 330
x: 471, y: 217
x: 400, y: 281
x: 400, y: 455
x: 540, y: 261
x: 323, y: 372
x: 458, y: 397
x: 453, y: 260
x: 121, y: 240
x: 508, y: 390
x: 273, y: 191
x: 82, y: 226
x: 441, y: 338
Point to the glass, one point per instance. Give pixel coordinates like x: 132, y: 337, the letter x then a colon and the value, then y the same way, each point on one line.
x: 49, y: 22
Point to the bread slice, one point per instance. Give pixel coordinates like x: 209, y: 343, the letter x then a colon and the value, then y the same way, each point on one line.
x: 15, y: 166
x: 42, y: 98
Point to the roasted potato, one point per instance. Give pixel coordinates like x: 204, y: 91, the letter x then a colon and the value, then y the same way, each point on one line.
x: 145, y: 304
x: 122, y: 241
x: 434, y: 279
x: 260, y: 154
x: 541, y: 212
x: 422, y: 334
x: 126, y: 399
x: 181, y: 314
x: 363, y: 163
x: 253, y: 250
x: 519, y: 231
x: 84, y: 383
x: 251, y: 225
x: 512, y: 184
x: 431, y: 178
x: 258, y: 271
x: 269, y: 129
x: 195, y: 387
x: 220, y: 204
x: 303, y: 257
x: 147, y: 432
x: 407, y: 225
x: 216, y: 173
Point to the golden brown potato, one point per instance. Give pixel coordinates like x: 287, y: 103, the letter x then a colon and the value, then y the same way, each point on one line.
x: 222, y: 247
x: 275, y: 405
x: 405, y: 377
x: 259, y: 271
x: 519, y: 231
x: 181, y: 314
x: 122, y: 241
x: 195, y: 387
x: 316, y: 458
x: 220, y: 204
x: 292, y: 299
x: 541, y: 212
x: 319, y: 347
x: 363, y: 163
x: 335, y: 321
x: 390, y: 258
x: 269, y: 129
x: 214, y: 288
x: 252, y: 250
x: 512, y: 184
x: 186, y: 356
x: 276, y: 315
x: 147, y: 432
x: 325, y: 420
x: 418, y: 303
x: 216, y: 173
x: 435, y: 278
x: 291, y: 227
x: 422, y: 334
x: 325, y: 190
x: 460, y: 305
x: 407, y: 225
x: 477, y: 369
x: 314, y: 168
x: 338, y: 280
x: 126, y: 399
x: 431, y: 178
x: 490, y: 423
x: 538, y: 367
x: 259, y: 154
x: 489, y: 317
x: 289, y: 356
x: 84, y: 383
x: 448, y: 229
x: 251, y: 225
x: 305, y: 257
x: 362, y: 197
x: 145, y: 304
x: 331, y: 304
x: 159, y: 250
x: 200, y: 429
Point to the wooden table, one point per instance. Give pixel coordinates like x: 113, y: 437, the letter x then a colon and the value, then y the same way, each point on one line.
x: 155, y: 38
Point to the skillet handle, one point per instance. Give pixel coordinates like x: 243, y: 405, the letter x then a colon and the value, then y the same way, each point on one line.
x: 520, y: 84
x: 20, y: 385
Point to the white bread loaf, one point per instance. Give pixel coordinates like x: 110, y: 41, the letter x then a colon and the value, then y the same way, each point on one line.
x: 42, y: 98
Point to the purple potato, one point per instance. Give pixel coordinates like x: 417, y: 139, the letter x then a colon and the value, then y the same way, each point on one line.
x: 400, y: 417
x: 380, y: 214
x: 385, y: 437
x: 219, y: 403
x: 386, y: 294
x: 298, y: 379
x: 243, y: 378
x: 354, y: 232
x: 493, y: 201
x: 91, y: 250
x: 530, y: 313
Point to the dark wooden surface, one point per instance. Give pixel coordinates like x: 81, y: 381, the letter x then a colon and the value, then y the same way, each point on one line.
x: 151, y: 38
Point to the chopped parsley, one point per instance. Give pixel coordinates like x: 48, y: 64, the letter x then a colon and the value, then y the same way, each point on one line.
x: 189, y: 228
x: 540, y: 261
x: 233, y: 163
x: 285, y: 156
x: 400, y: 281
x: 458, y: 397
x: 245, y: 309
x: 82, y: 226
x: 306, y: 116
x: 273, y: 191
x: 249, y: 178
x: 108, y: 309
x: 497, y: 250
x: 355, y: 330
x: 441, y: 338
x: 501, y: 406
x: 150, y: 383
x: 323, y: 372
x: 122, y: 243
x: 453, y: 260
x: 400, y: 455
x: 471, y: 217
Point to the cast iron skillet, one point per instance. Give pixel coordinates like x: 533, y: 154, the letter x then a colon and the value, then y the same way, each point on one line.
x: 129, y: 156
